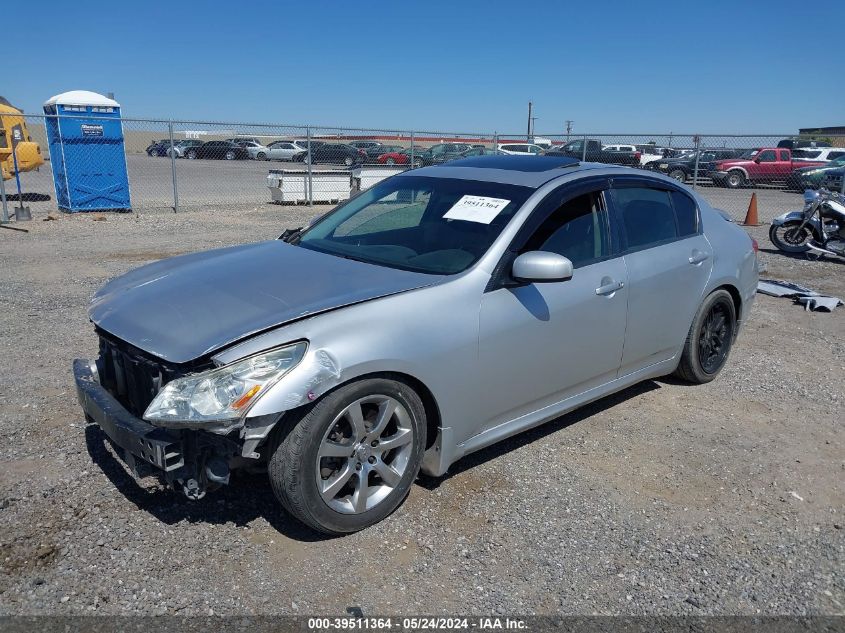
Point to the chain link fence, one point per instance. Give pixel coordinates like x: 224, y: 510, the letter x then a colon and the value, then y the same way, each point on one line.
x: 184, y: 165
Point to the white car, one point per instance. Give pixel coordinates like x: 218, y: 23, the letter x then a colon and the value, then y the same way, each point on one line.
x: 816, y: 154
x: 278, y: 150
x: 521, y: 149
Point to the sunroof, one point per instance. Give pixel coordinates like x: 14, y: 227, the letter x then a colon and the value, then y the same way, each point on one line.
x: 515, y: 163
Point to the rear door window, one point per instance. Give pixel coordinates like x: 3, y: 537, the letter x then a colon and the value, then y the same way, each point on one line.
x: 647, y: 216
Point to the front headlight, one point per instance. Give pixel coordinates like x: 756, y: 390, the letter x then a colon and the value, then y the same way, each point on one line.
x: 224, y: 393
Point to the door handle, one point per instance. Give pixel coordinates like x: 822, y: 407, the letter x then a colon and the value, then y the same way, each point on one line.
x: 609, y: 288
x: 698, y: 256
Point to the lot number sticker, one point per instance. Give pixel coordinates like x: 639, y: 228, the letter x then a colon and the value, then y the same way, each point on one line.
x: 476, y: 209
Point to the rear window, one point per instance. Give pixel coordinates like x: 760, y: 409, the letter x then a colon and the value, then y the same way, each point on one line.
x: 686, y: 213
x: 806, y: 153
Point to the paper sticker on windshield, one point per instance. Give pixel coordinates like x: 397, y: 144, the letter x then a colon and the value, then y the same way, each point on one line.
x: 476, y: 209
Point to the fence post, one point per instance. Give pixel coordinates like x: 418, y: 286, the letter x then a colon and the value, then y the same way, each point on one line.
x: 584, y: 152
x: 310, y: 187
x: 5, y: 218
x: 495, y: 143
x: 173, y: 168
x: 697, y: 156
x: 412, y: 150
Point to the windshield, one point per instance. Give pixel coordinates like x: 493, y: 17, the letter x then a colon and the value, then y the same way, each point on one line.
x: 428, y: 225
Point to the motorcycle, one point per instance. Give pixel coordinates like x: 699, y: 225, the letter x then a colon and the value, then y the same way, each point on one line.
x: 818, y: 228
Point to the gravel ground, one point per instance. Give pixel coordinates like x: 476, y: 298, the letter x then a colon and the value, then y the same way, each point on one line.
x: 664, y: 499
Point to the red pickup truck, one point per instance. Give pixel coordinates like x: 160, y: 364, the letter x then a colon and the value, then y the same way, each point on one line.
x: 763, y: 165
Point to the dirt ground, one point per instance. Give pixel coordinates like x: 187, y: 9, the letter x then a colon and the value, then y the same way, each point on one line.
x: 726, y: 498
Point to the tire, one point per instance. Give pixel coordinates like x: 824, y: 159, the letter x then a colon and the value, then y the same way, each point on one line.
x: 735, y: 179
x: 192, y: 154
x: 417, y: 164
x: 786, y: 238
x: 230, y: 155
x: 348, y: 161
x: 261, y: 156
x: 310, y: 452
x: 390, y: 161
x: 153, y: 152
x: 709, y: 340
x: 678, y: 174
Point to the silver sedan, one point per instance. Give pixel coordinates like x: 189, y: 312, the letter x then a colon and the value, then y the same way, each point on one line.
x: 438, y: 312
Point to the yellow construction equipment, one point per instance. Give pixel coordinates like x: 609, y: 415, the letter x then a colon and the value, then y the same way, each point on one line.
x: 16, y: 145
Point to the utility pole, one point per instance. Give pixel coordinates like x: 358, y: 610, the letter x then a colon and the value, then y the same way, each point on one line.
x: 569, y: 123
x: 528, y: 134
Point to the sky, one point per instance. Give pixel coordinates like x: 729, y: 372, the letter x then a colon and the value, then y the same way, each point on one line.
x: 635, y: 66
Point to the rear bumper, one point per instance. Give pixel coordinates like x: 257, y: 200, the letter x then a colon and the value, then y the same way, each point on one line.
x: 144, y: 447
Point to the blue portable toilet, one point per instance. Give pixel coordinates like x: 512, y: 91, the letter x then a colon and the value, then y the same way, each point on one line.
x: 87, y: 154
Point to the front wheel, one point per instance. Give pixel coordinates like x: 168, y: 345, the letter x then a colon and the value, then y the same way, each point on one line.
x: 153, y: 152
x: 790, y: 237
x: 735, y: 179
x: 192, y: 154
x: 348, y: 161
x: 390, y: 161
x: 230, y: 155
x: 709, y: 339
x: 261, y: 156
x: 678, y: 174
x: 348, y: 461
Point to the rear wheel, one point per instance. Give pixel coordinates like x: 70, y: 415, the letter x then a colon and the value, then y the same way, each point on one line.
x: 349, y: 460
x: 348, y: 161
x: 261, y: 156
x: 192, y: 154
x: 390, y: 161
x: 709, y: 339
x: 790, y: 237
x: 230, y: 155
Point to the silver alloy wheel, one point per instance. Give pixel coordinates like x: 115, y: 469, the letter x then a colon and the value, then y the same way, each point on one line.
x: 230, y: 155
x: 364, y: 454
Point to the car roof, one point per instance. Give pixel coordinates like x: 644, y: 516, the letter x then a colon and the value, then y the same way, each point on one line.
x: 525, y: 171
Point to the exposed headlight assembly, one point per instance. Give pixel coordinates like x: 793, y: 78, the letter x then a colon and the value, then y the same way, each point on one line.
x: 225, y: 393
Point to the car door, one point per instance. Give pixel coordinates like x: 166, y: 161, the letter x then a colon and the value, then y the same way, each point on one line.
x: 668, y: 260
x: 542, y: 343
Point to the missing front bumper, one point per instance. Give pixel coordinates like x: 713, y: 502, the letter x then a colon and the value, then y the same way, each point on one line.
x: 189, y: 458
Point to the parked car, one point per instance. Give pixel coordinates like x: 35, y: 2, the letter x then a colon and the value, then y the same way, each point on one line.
x: 180, y: 147
x: 279, y: 150
x: 244, y: 139
x: 333, y: 154
x: 812, y: 177
x: 443, y: 153
x: 817, y: 154
x: 365, y: 145
x: 763, y: 165
x: 436, y: 313
x: 402, y: 156
x: 219, y: 150
x: 684, y: 167
x: 650, y: 153
x: 158, y: 148
x: 374, y: 152
x: 595, y: 153
x: 832, y: 180
x: 476, y: 150
x: 798, y: 143
x: 525, y: 149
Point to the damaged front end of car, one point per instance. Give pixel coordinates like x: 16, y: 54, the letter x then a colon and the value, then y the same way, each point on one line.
x: 192, y: 424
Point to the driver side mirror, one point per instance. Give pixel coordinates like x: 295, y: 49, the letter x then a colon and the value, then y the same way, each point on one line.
x: 758, y: 159
x: 540, y: 267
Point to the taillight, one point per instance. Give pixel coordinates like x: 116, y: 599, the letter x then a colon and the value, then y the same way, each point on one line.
x: 754, y: 245
x: 638, y: 155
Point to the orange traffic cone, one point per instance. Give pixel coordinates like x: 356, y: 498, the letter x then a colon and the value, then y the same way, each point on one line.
x: 751, y: 218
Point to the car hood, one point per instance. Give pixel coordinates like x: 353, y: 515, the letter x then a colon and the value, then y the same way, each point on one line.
x: 186, y: 307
